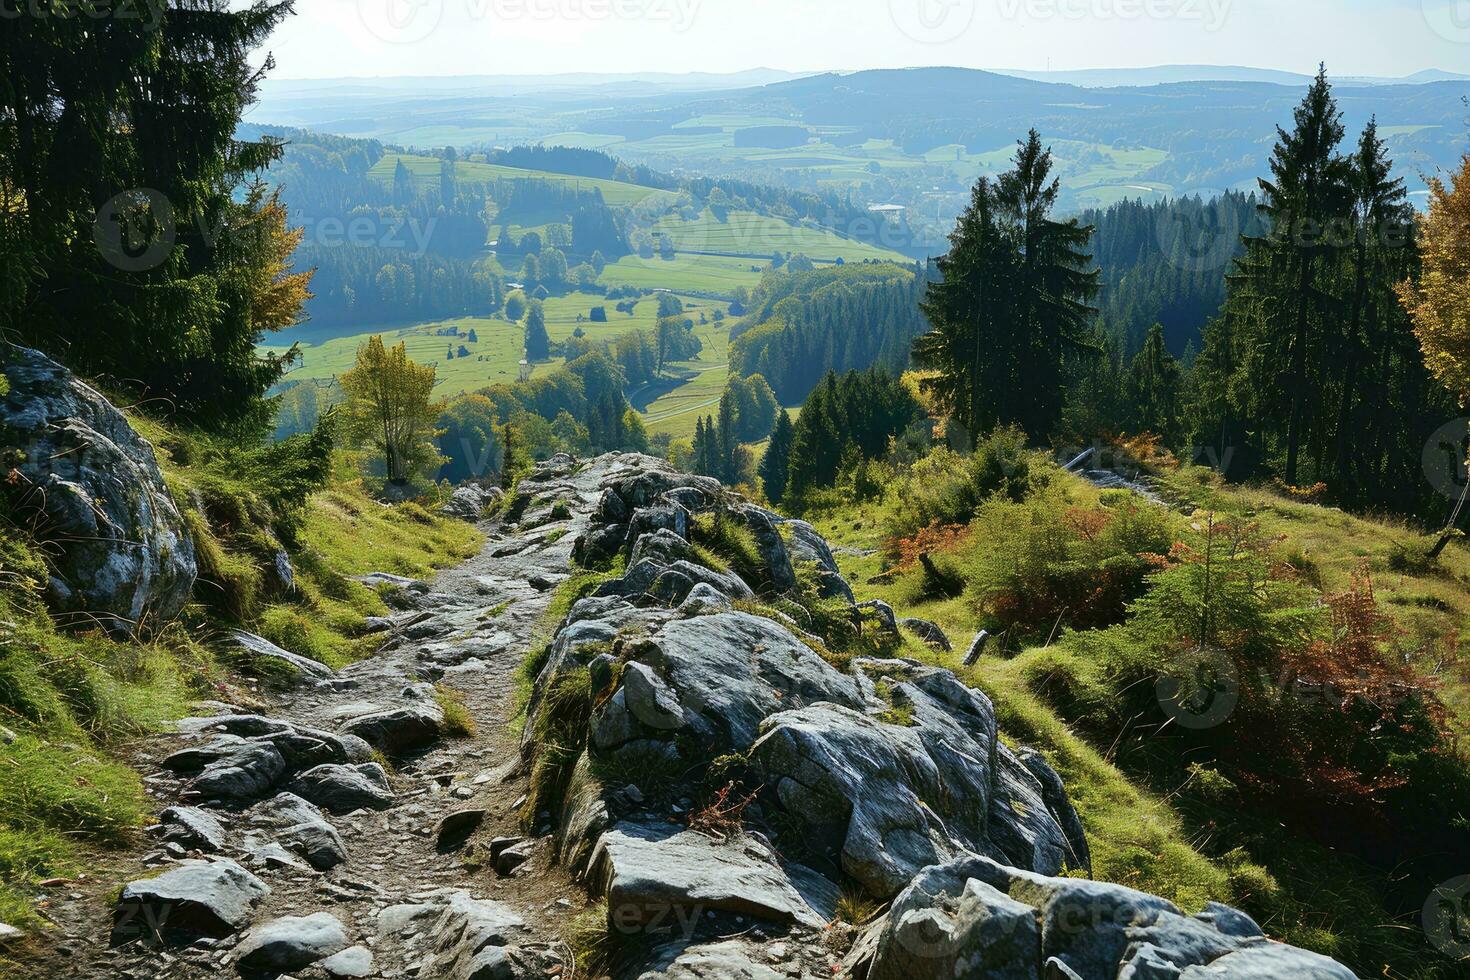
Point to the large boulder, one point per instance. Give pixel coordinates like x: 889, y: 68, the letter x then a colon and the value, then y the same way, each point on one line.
x: 975, y: 917
x: 471, y: 501
x: 343, y: 789
x: 655, y: 875
x: 120, y: 549
x: 290, y: 943
x: 191, y: 900
x: 919, y: 782
x: 473, y: 939
x: 725, y: 674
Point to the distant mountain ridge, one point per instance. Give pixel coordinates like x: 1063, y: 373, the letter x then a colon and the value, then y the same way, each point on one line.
x: 1167, y: 74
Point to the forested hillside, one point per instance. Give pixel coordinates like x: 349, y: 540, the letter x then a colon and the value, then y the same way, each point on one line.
x: 801, y: 325
x: 446, y: 559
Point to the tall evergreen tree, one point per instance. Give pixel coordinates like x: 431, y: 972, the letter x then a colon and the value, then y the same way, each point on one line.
x: 167, y: 291
x: 538, y: 342
x: 1313, y: 370
x: 1056, y: 282
x: 776, y: 463
x: 727, y: 439
x: 1305, y: 198
x: 1154, y: 382
x: 1011, y: 304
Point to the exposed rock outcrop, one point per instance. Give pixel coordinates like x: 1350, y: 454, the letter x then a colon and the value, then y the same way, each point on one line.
x: 471, y: 502
x: 973, y: 913
x: 749, y: 752
x: 121, y: 551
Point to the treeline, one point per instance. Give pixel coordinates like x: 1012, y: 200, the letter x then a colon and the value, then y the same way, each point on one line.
x: 803, y: 325
x: 1164, y: 263
x: 1313, y: 371
x: 370, y: 284
x: 846, y: 420
x: 748, y: 413
x: 557, y: 159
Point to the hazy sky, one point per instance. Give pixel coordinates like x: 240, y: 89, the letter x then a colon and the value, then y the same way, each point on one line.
x: 330, y: 38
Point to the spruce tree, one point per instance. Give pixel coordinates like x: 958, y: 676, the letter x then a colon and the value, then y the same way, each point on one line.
x: 538, y: 342
x: 1306, y: 196
x: 169, y: 291
x: 776, y: 463
x: 1154, y: 381
x: 1011, y: 304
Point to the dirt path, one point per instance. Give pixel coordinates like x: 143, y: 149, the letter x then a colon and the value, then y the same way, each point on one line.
x: 469, y: 631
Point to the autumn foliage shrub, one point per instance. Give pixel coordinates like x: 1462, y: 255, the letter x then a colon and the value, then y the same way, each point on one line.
x: 1050, y: 564
x: 1302, y: 700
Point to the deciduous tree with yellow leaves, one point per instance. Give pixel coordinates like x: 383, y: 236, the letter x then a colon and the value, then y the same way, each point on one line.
x: 1439, y: 302
x: 389, y: 408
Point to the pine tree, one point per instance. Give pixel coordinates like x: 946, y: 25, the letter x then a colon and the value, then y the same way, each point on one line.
x: 168, y: 291
x: 1010, y: 307
x: 1154, y: 381
x: 1306, y: 195
x: 538, y: 342
x: 727, y: 439
x: 776, y: 463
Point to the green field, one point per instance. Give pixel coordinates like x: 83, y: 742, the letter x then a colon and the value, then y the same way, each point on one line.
x: 495, y: 358
x: 714, y: 274
x: 425, y: 170
x: 745, y: 233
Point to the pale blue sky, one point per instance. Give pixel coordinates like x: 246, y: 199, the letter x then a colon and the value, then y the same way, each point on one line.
x: 333, y: 38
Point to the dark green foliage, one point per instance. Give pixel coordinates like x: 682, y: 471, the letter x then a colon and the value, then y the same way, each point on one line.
x: 97, y: 108
x: 804, y: 324
x: 538, y: 342
x: 1010, y: 308
x: 469, y: 440
x: 1313, y: 372
x: 775, y: 468
x: 1154, y: 389
x: 1165, y: 263
x: 852, y: 416
x: 367, y: 283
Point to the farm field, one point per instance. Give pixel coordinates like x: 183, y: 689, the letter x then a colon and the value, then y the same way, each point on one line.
x: 426, y: 170
x: 713, y: 274
x: 745, y: 233
x: 494, y: 357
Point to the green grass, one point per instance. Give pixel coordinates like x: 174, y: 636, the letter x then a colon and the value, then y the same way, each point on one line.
x: 425, y: 171
x: 71, y: 702
x: 1196, y: 842
x: 745, y: 233
x: 494, y: 358
x: 717, y: 275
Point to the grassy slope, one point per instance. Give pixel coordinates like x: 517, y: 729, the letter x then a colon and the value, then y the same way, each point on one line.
x: 1136, y: 839
x: 72, y: 703
x: 748, y: 233
x: 425, y: 171
x: 1309, y: 896
x: 495, y: 357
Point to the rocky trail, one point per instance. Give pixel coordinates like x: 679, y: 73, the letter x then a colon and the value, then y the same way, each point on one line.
x: 392, y: 868
x: 727, y: 762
